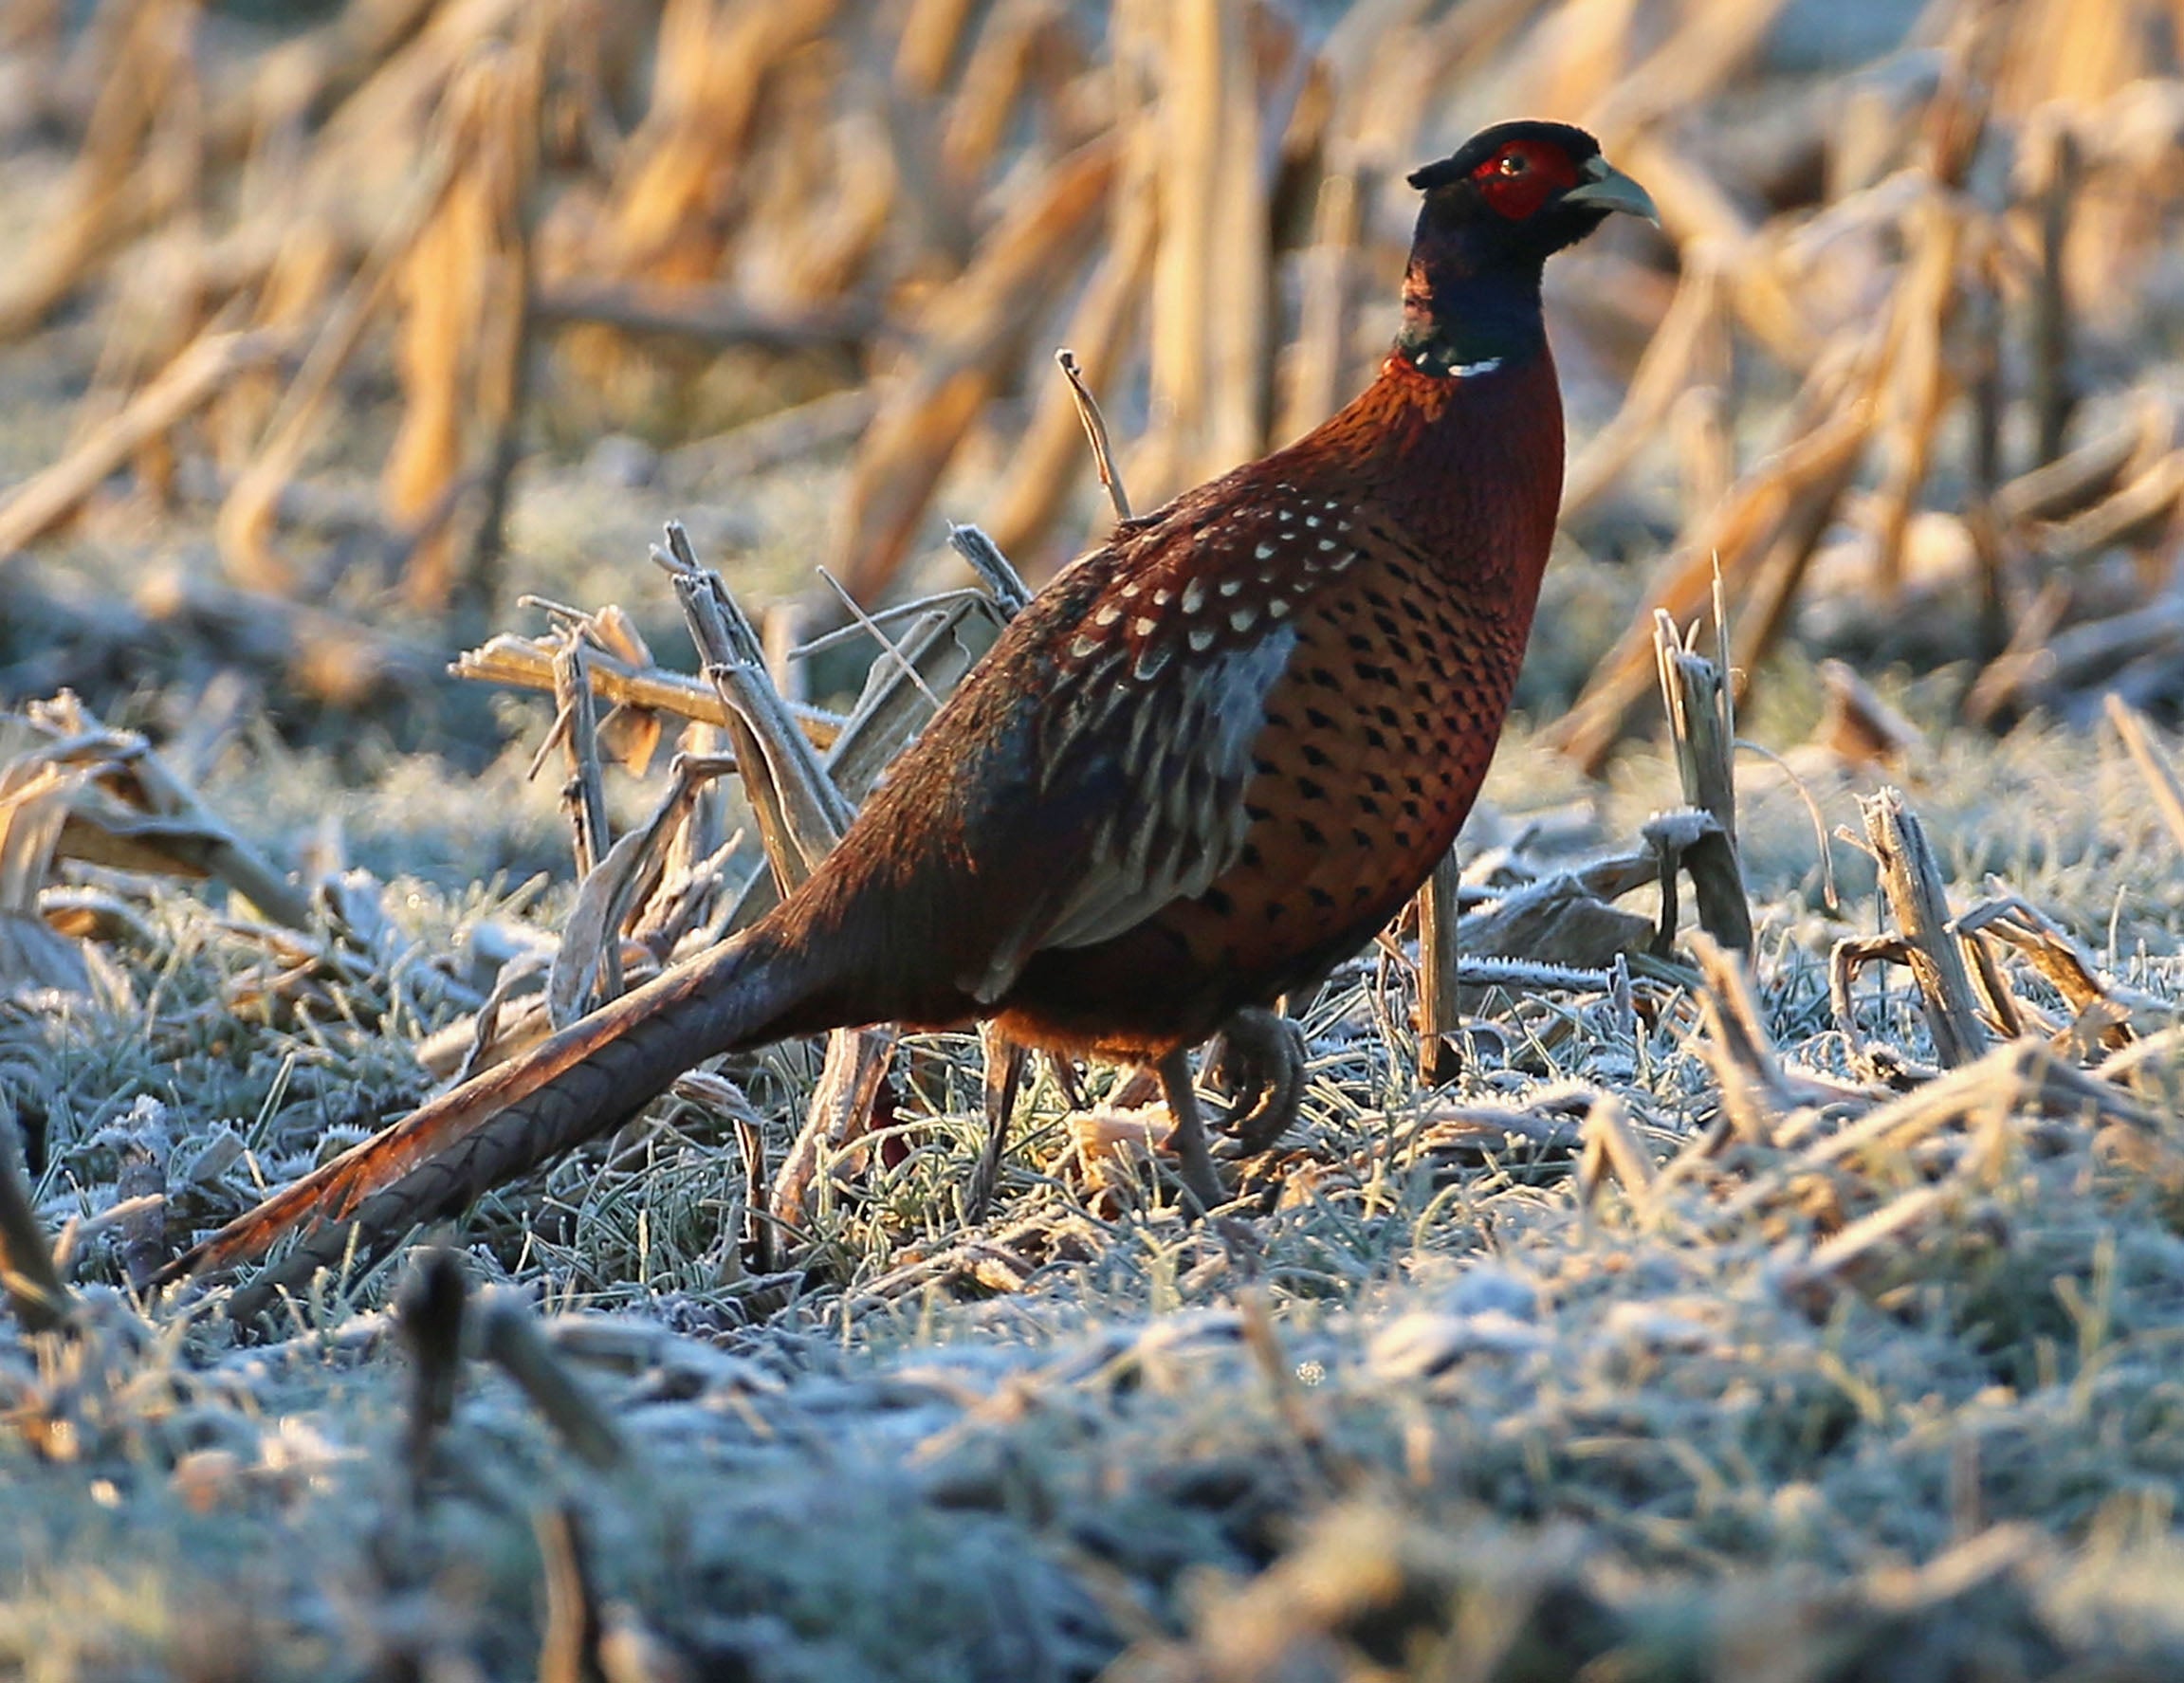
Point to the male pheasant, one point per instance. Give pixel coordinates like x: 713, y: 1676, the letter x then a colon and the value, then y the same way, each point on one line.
x: 1199, y: 769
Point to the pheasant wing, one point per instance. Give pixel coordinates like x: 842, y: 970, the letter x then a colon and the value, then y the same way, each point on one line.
x: 1158, y: 698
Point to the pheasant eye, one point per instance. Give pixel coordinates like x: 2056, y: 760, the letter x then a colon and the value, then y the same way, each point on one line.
x: 1512, y: 164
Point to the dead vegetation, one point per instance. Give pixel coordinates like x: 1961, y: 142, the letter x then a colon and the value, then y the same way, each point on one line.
x: 1876, y: 358
x: 1716, y: 1244
x: 1704, y: 1304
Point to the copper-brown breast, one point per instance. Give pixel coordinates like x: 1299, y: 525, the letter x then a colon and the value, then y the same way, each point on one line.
x: 1393, y: 590
x: 1408, y: 644
x: 1376, y: 742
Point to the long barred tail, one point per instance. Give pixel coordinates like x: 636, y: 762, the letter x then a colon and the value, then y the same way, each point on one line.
x: 575, y: 1086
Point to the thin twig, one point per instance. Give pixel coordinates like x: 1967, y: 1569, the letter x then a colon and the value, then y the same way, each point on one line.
x: 2146, y: 754
x: 888, y: 649
x: 585, y: 794
x: 1096, y: 432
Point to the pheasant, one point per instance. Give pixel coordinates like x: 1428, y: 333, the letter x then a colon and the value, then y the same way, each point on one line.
x: 1202, y: 768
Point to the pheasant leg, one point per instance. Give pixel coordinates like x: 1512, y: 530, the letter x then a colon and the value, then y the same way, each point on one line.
x: 1200, y: 1178
x: 1005, y: 1076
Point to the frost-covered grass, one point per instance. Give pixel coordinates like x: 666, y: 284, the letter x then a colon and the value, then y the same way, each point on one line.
x: 1438, y: 1405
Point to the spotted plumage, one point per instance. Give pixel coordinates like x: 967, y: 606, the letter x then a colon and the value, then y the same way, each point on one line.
x: 1204, y: 764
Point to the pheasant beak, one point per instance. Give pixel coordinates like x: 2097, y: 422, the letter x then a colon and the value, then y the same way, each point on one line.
x: 1606, y: 187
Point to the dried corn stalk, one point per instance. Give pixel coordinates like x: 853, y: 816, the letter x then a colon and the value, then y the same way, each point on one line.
x: 462, y: 293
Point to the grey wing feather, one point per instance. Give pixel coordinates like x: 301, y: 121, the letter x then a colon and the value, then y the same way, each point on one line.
x: 1184, y: 764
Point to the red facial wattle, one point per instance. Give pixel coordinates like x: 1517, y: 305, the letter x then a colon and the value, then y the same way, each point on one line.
x: 1523, y: 176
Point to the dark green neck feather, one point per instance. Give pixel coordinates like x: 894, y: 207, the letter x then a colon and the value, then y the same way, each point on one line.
x: 1455, y: 325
